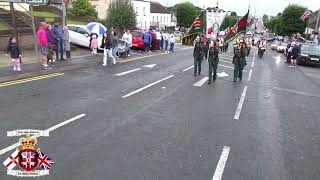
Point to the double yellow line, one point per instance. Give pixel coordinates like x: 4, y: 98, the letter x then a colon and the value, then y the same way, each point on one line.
x: 10, y: 83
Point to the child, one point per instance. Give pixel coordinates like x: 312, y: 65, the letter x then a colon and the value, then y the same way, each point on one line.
x: 15, y: 53
x: 172, y: 42
x: 94, y: 44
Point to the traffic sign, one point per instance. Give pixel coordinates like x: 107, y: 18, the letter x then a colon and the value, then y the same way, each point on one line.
x: 37, y: 2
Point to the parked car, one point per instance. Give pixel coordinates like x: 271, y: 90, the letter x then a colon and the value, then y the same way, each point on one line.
x: 80, y: 35
x: 281, y: 48
x: 310, y: 54
x: 137, y: 41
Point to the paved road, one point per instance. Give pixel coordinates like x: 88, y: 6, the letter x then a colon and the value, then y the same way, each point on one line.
x: 152, y: 123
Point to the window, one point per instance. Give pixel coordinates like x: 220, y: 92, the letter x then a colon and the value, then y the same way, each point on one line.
x: 136, y: 34
x: 145, y: 25
x: 161, y: 19
x: 82, y: 31
x: 136, y: 10
x: 157, y: 18
x: 153, y: 19
x: 168, y: 19
x: 144, y: 11
x: 72, y: 28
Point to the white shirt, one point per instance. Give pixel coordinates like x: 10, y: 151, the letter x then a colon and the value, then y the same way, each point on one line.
x: 166, y: 36
x: 128, y: 38
x: 172, y: 39
x: 158, y: 35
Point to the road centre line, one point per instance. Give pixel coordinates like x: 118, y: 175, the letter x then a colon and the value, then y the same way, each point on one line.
x: 127, y: 72
x: 10, y: 83
x: 252, y: 64
x: 147, y: 86
x: 221, y: 163
x: 239, y: 108
x: 187, y: 69
x: 201, y: 82
x: 15, y: 145
x: 250, y: 74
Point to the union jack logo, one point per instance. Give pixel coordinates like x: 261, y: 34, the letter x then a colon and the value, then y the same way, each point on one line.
x: 44, y: 161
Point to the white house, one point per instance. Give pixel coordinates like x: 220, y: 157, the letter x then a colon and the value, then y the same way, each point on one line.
x: 101, y: 7
x: 143, y: 16
x: 160, y: 16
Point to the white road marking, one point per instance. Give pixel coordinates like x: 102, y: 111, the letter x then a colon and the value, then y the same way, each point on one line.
x: 187, y: 68
x: 252, y: 64
x: 127, y: 72
x: 15, y: 145
x: 228, y: 67
x: 201, y: 82
x: 221, y: 163
x: 147, y: 86
x: 243, y: 95
x: 226, y: 61
x: 150, y: 66
x: 250, y: 74
x: 223, y: 74
x: 225, y: 66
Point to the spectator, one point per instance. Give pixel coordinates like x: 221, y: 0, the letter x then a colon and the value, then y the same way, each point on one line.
x: 166, y: 38
x: 15, y: 53
x: 107, y: 48
x: 172, y: 42
x: 146, y: 40
x: 59, y: 34
x: 128, y: 38
x: 43, y: 44
x: 51, y: 44
x: 94, y: 44
x: 158, y: 38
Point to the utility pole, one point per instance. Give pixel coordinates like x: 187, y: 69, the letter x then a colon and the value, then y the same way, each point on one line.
x: 317, y: 27
x: 65, y: 30
x: 34, y: 31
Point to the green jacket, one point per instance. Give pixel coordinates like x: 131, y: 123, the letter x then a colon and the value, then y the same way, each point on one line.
x: 239, y: 58
x: 214, y: 55
x: 198, y: 51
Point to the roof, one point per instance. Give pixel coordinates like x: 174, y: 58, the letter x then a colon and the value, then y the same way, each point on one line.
x: 313, y: 20
x: 156, y: 7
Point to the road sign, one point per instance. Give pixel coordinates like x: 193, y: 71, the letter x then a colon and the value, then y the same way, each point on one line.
x: 13, y: 1
x: 36, y: 2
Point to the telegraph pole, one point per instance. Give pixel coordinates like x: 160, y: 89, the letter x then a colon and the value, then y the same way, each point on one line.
x: 317, y: 28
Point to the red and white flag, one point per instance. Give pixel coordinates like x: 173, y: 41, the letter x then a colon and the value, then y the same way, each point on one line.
x: 305, y: 15
x: 12, y: 160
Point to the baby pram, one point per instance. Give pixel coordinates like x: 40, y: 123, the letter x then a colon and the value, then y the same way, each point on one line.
x: 123, y: 48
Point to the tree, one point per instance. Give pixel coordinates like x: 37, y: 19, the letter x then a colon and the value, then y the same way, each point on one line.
x: 186, y: 13
x: 228, y: 21
x: 233, y: 14
x: 290, y: 20
x: 121, y: 14
x: 83, y: 8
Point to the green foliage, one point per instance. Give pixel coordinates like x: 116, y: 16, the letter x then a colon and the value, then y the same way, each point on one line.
x: 233, y: 14
x: 83, y: 8
x: 228, y: 21
x: 121, y: 15
x: 288, y: 22
x: 186, y: 14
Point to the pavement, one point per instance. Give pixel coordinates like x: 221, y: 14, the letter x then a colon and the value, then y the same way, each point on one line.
x: 151, y: 119
x: 81, y: 58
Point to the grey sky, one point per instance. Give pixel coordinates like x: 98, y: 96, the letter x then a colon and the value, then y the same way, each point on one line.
x: 260, y: 7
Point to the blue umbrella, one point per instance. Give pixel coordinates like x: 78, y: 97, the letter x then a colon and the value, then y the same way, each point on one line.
x: 95, y: 27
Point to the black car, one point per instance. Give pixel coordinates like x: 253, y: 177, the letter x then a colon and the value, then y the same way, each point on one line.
x: 310, y: 54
